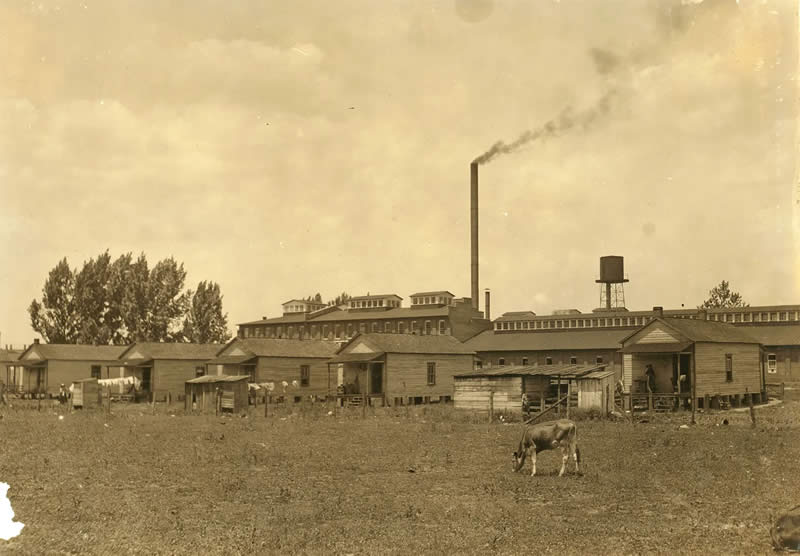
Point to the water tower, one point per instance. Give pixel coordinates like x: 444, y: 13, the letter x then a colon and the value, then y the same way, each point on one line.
x: 612, y: 278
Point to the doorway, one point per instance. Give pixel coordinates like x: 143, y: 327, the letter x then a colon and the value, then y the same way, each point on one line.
x: 376, y: 378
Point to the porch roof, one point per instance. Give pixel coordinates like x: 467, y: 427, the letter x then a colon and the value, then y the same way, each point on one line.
x: 357, y: 357
x: 233, y: 360
x: 31, y: 362
x: 671, y: 347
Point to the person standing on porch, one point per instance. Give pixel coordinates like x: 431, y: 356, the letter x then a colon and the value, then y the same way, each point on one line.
x: 650, y: 374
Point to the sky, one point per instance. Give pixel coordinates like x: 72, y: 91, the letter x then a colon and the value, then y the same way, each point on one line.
x: 287, y: 148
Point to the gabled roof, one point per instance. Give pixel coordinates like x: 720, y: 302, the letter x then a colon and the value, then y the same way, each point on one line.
x: 9, y: 355
x: 516, y: 315
x: 303, y: 301
x: 443, y: 292
x: 395, y: 313
x: 75, y: 352
x: 547, y: 340
x: 410, y: 343
x: 702, y: 331
x: 375, y: 296
x: 172, y: 350
x: 280, y: 347
x: 291, y: 317
x: 216, y: 378
x: 780, y: 335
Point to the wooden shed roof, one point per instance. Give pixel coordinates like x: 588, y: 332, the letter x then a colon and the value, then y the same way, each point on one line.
x: 411, y: 343
x: 216, y: 378
x: 701, y: 331
x: 566, y: 371
x: 74, y: 352
x: 171, y: 350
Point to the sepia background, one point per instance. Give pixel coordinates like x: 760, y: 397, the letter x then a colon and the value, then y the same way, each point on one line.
x: 283, y: 149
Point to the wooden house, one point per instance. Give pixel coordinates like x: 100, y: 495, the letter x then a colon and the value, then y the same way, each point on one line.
x: 277, y: 360
x: 11, y: 370
x: 693, y: 358
x: 202, y: 392
x: 400, y: 368
x: 47, y: 366
x: 501, y: 389
x: 163, y: 368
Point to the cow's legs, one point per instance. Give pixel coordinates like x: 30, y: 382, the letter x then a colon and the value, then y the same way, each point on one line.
x: 564, y: 459
x: 533, y: 462
x: 576, y: 456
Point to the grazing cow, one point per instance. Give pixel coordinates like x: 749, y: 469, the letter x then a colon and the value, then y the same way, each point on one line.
x: 548, y: 436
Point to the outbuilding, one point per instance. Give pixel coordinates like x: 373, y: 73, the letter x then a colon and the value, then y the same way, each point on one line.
x: 202, y: 393
x: 86, y: 393
x: 502, y: 389
x: 694, y: 359
x: 399, y: 368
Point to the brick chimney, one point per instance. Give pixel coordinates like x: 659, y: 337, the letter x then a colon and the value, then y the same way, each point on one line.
x: 658, y: 312
x: 36, y: 340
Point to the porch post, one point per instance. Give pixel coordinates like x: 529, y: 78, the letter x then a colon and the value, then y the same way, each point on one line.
x: 693, y: 370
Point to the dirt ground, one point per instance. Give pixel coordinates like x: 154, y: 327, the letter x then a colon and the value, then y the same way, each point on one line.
x: 432, y: 480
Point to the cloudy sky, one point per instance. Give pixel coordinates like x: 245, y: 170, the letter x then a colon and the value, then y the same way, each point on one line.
x: 288, y: 148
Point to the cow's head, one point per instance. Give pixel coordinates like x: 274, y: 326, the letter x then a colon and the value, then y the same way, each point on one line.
x: 517, y: 459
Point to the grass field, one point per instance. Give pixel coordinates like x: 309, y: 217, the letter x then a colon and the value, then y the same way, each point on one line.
x: 431, y: 481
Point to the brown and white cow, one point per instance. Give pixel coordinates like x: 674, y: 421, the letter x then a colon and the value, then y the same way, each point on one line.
x: 548, y: 436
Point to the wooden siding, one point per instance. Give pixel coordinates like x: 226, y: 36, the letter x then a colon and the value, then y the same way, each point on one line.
x: 655, y: 332
x: 66, y: 372
x: 278, y: 369
x: 627, y: 371
x: 787, y: 364
x: 710, y: 362
x: 170, y: 376
x: 560, y: 357
x: 596, y: 393
x: 406, y: 374
x: 475, y: 393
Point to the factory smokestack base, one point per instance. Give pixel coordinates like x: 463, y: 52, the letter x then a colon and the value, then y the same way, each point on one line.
x: 473, y: 225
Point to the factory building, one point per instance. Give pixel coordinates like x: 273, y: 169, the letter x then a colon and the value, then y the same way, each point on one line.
x: 433, y: 313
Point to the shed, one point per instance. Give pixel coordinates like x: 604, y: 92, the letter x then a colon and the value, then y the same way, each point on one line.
x: 502, y: 388
x: 86, y: 393
x: 201, y: 393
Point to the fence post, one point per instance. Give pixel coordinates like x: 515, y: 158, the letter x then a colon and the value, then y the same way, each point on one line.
x: 491, y: 406
x: 569, y: 395
x: 752, y: 409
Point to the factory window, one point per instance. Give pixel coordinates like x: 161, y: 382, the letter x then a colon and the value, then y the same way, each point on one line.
x: 401, y: 327
x: 362, y: 327
x: 580, y: 323
x: 505, y: 326
x: 313, y: 330
x: 349, y: 330
x: 737, y: 317
x: 501, y: 361
x: 784, y: 316
x: 525, y: 325
x: 617, y: 322
x: 442, y: 328
x: 427, y: 328
x: 598, y: 359
x: 548, y: 360
x: 431, y: 373
x: 559, y: 324
x: 413, y: 327
x: 498, y: 325
x: 524, y: 360
x: 773, y: 317
x: 387, y: 327
x: 748, y: 317
x: 291, y: 332
x: 772, y: 363
x: 538, y: 324
x: 305, y: 375
x: 728, y: 367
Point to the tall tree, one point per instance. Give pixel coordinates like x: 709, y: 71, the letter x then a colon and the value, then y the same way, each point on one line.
x: 721, y: 296
x: 205, y: 322
x: 92, y: 302
x: 55, y: 317
x: 343, y: 297
x: 166, y: 305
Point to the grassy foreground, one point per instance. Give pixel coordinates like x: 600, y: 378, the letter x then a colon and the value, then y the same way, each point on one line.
x: 431, y: 481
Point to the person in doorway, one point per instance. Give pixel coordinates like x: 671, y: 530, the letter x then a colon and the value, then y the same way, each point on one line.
x: 650, y: 375
x: 525, y: 403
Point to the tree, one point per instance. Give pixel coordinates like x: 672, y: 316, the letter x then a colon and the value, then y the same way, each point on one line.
x: 205, y: 323
x: 91, y: 300
x: 165, y: 303
x: 55, y: 317
x: 721, y: 296
x: 339, y: 299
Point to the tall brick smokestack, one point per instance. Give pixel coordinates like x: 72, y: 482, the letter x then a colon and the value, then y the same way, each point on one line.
x: 486, y: 307
x: 473, y: 225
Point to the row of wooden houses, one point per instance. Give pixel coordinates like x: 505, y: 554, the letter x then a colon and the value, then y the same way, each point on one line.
x: 692, y: 358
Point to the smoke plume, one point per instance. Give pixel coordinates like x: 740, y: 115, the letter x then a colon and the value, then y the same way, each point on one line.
x: 565, y: 121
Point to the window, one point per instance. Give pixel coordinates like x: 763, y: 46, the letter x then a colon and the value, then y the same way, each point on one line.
x: 95, y: 371
x: 199, y: 371
x: 387, y: 327
x: 728, y: 367
x: 413, y: 327
x: 548, y: 360
x: 401, y: 327
x: 524, y: 360
x: 427, y: 328
x: 431, y: 374
x: 349, y: 329
x: 573, y: 360
x: 305, y: 375
x: 362, y: 327
x: 501, y: 361
x: 772, y: 363
x: 598, y: 359
x: 251, y: 372
x: 784, y: 315
x: 442, y: 328
x: 374, y: 327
